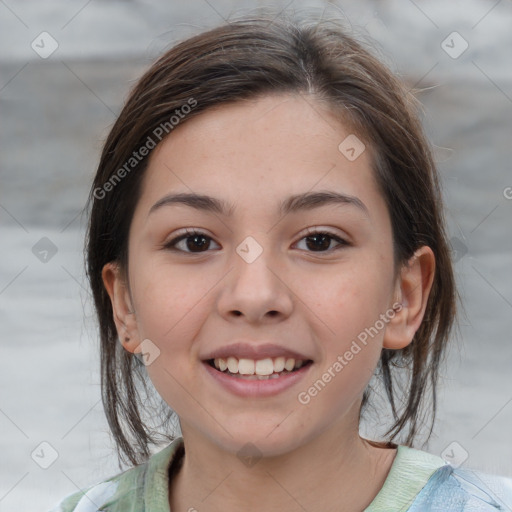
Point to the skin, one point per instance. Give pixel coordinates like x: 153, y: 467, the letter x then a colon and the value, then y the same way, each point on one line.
x: 254, y: 154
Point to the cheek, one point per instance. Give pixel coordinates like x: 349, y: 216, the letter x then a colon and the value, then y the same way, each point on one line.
x: 168, y: 303
x: 352, y: 297
x: 170, y: 311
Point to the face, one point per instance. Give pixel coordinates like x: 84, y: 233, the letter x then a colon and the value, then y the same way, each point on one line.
x: 289, y: 263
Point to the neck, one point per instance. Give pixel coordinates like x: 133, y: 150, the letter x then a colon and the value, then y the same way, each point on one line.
x: 321, y: 475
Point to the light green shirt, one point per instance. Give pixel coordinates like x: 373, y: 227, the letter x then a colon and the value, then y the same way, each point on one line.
x: 417, y: 482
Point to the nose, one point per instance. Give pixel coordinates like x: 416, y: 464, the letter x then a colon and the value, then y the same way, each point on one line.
x: 257, y: 291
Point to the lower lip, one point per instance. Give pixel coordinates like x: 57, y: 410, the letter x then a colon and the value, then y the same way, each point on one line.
x: 257, y: 388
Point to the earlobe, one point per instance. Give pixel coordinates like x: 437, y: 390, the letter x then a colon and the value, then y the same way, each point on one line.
x: 412, y: 291
x: 124, y: 316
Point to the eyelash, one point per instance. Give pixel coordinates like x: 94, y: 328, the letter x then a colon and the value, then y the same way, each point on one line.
x: 189, y: 233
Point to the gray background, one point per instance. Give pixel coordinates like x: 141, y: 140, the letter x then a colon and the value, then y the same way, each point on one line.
x: 55, y: 112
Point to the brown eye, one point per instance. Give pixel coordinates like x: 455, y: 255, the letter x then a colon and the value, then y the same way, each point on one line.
x: 320, y: 241
x: 191, y: 242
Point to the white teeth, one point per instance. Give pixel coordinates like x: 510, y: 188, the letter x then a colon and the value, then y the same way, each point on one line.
x: 279, y: 364
x: 290, y: 364
x: 246, y: 367
x: 262, y: 368
x: 232, y: 364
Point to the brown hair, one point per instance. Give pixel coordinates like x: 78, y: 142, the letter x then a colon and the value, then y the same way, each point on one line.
x: 243, y: 59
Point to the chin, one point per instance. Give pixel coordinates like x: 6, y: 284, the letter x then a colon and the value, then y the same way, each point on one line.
x: 258, y: 440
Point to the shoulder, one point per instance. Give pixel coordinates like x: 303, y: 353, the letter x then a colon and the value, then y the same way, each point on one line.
x: 92, y: 500
x: 135, y: 489
x: 419, y: 481
x: 484, y: 488
x: 464, y: 490
x: 100, y: 496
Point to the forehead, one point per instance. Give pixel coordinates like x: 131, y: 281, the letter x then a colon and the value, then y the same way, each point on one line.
x: 261, y: 149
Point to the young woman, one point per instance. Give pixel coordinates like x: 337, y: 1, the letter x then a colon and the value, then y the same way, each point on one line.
x: 266, y: 235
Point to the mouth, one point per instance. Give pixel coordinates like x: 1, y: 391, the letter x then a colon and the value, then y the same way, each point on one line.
x: 256, y: 370
x: 260, y: 369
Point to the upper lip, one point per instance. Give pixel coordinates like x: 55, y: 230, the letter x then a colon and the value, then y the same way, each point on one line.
x: 253, y: 351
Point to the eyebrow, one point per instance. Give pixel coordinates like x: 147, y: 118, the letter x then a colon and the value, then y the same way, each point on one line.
x: 292, y: 204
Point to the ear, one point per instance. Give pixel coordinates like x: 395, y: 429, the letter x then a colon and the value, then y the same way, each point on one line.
x: 412, y: 290
x: 124, y: 315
